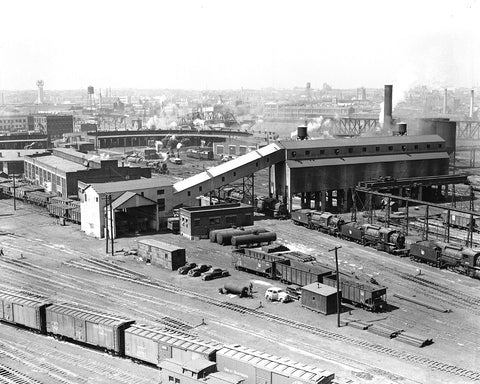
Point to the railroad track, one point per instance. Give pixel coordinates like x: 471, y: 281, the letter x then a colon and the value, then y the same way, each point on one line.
x: 406, y: 356
x: 12, y: 376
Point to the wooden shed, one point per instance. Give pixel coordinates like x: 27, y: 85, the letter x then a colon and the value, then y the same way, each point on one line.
x: 321, y: 298
x: 166, y: 255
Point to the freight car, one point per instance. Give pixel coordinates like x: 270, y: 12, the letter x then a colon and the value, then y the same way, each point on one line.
x: 384, y: 239
x: 279, y: 267
x: 461, y: 220
x: 200, y: 153
x: 146, y: 344
x: 370, y: 297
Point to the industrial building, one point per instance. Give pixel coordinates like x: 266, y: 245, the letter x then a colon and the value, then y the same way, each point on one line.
x: 133, y: 206
x: 59, y: 171
x: 12, y: 161
x: 54, y: 126
x: 24, y: 141
x: 13, y: 123
x: 197, y: 222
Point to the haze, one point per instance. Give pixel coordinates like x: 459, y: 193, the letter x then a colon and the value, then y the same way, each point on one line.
x: 249, y: 44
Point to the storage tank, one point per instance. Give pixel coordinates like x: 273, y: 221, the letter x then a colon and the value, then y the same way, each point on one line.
x: 225, y: 237
x: 302, y: 132
x: 254, y: 239
x: 236, y: 289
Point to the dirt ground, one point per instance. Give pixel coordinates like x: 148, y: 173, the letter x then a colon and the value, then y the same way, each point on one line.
x: 48, y: 249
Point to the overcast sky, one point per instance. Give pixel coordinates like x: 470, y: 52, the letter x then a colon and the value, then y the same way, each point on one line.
x: 203, y: 44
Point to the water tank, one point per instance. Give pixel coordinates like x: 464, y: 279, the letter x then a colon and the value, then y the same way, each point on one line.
x: 302, y: 132
x: 402, y: 129
x: 90, y: 90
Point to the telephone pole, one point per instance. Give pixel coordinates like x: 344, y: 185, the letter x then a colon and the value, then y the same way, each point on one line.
x: 106, y: 224
x: 338, y: 282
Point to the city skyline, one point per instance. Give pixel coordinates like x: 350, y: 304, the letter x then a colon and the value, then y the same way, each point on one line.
x: 220, y: 45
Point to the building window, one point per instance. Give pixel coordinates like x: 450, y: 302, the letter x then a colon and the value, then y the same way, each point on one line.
x: 234, y: 174
x: 294, y: 153
x: 96, y: 198
x: 390, y: 148
x: 161, y: 204
x: 214, y: 220
x: 404, y: 148
x: 200, y: 189
x: 223, y: 179
x: 377, y: 149
x: 337, y: 151
x: 350, y: 150
x: 85, y: 197
x: 307, y: 153
x: 170, y: 378
x: 439, y: 145
x: 160, y: 191
x: 256, y: 164
x: 428, y: 146
x: 177, y: 381
x: 188, y: 193
x: 364, y: 149
x: 322, y: 151
x: 416, y: 146
x: 313, y: 298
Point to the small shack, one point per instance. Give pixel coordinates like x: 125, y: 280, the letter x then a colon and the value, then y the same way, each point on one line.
x: 321, y: 298
x: 167, y: 256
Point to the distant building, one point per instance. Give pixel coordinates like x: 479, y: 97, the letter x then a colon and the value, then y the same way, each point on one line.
x: 60, y: 171
x: 14, y: 123
x: 53, y: 125
x: 12, y: 161
x: 24, y: 141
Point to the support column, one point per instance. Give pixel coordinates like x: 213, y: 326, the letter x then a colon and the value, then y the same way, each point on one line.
x: 308, y: 200
x: 302, y: 200
x: 324, y: 200
x: 317, y: 200
x: 329, y: 203
x: 420, y: 193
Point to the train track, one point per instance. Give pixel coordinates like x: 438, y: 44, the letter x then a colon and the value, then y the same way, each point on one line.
x: 406, y: 356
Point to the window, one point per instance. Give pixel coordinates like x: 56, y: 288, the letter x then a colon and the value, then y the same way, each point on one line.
x: 161, y: 204
x: 214, y: 220
x: 294, y: 153
x: 390, y: 147
x: 307, y: 153
x: 313, y: 298
x: 428, y: 146
x: 337, y: 151
x: 200, y: 189
x: 404, y: 148
x: 223, y: 179
x: 170, y: 378
x: 85, y: 197
x: 189, y: 193
x: 142, y: 194
x: 416, y: 146
x: 234, y: 174
x: 350, y: 150
x: 439, y: 145
x: 364, y: 149
x: 166, y: 256
x: 96, y: 199
x: 322, y: 151
x: 377, y: 149
x: 177, y: 381
x: 256, y: 164
x: 160, y: 191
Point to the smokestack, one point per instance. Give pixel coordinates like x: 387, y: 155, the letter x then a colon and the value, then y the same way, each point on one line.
x: 445, y: 101
x: 387, y: 106
x: 472, y: 95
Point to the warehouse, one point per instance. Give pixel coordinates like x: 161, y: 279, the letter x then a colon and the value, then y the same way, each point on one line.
x: 136, y: 206
x: 165, y: 255
x: 197, y: 222
x: 59, y: 171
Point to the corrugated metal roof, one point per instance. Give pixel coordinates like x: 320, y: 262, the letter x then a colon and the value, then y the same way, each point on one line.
x: 161, y: 335
x: 24, y: 299
x: 88, y: 314
x: 321, y: 289
x: 374, y: 140
x: 159, y: 244
x: 275, y: 364
x: 122, y: 199
x: 59, y: 163
x: 119, y: 186
x: 366, y: 159
x: 226, y: 167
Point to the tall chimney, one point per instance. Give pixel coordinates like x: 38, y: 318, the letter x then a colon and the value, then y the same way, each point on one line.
x: 387, y: 106
x: 472, y: 95
x: 445, y: 101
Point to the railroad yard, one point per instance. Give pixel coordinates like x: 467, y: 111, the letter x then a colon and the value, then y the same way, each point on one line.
x: 62, y: 263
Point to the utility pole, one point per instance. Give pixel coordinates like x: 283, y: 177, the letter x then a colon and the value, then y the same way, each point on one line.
x: 14, y: 199
x: 111, y: 223
x: 338, y: 282
x: 106, y: 224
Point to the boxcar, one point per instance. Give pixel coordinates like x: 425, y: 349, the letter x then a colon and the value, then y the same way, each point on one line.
x: 260, y: 367
x: 163, y: 254
x: 23, y: 309
x: 371, y: 297
x: 153, y: 344
x: 88, y: 326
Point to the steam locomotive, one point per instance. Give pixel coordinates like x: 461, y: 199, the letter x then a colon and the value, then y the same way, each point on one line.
x: 384, y: 239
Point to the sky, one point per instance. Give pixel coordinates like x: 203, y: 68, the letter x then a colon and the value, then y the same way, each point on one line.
x: 251, y: 44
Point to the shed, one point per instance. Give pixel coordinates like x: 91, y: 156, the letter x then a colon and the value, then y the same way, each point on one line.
x: 321, y: 298
x: 166, y: 255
